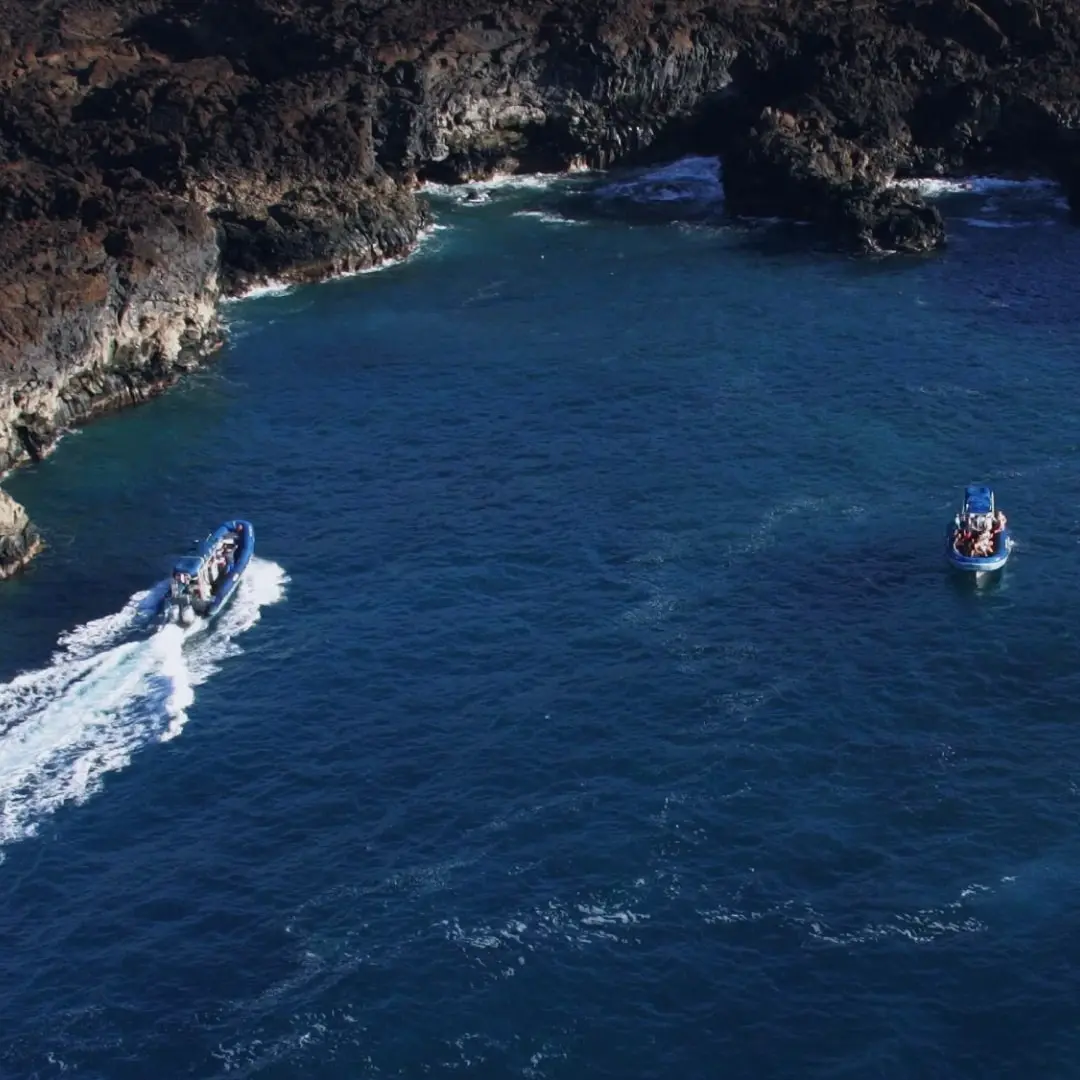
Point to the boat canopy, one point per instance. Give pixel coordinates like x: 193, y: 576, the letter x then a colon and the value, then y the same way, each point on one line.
x: 978, y: 499
x: 189, y: 564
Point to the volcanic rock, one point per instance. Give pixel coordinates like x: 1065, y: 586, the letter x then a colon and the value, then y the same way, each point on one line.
x: 19, y: 540
x: 155, y: 154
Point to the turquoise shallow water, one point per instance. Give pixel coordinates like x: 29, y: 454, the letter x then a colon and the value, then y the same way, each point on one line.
x: 600, y: 703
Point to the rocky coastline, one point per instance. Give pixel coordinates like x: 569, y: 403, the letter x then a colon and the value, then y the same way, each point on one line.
x: 158, y: 155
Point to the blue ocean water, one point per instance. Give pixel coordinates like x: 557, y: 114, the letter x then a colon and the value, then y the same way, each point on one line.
x: 600, y: 703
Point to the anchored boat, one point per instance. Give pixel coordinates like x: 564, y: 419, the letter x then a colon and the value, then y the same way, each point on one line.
x: 203, y: 583
x: 978, y: 541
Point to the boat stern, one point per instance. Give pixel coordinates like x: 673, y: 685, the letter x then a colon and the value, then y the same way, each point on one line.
x: 178, y: 611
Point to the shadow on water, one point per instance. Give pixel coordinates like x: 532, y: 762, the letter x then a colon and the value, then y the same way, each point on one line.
x: 857, y: 571
x: 966, y: 584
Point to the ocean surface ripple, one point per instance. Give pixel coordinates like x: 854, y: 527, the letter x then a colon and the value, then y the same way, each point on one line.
x: 599, y: 703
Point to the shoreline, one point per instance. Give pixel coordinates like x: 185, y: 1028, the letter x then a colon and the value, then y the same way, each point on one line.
x: 160, y: 166
x: 20, y: 541
x: 281, y: 286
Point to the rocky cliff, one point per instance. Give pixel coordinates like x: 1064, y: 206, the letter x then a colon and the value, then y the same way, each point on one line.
x: 19, y: 540
x: 154, y: 153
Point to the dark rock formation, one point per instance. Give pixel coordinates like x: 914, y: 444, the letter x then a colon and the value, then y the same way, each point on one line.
x: 156, y: 152
x: 798, y: 167
x: 102, y: 318
x: 19, y: 540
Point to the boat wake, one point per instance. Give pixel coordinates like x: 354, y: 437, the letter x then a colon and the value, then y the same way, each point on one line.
x: 103, y: 696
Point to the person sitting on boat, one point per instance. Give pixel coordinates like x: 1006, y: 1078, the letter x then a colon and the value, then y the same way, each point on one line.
x: 984, y: 544
x: 965, y: 538
x: 1000, y: 521
x: 233, y: 545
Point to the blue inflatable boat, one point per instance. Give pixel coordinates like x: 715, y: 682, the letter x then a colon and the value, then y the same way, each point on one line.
x: 978, y: 520
x: 203, y: 583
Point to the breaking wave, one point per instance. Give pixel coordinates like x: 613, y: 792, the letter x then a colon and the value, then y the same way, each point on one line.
x: 271, y: 287
x: 935, y: 187
x: 693, y: 180
x: 478, y: 192
x: 687, y: 188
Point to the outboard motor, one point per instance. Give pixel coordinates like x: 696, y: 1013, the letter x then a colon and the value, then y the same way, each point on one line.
x: 179, y: 608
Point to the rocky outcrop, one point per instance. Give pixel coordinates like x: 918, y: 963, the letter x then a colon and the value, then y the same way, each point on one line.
x: 798, y: 167
x: 19, y: 540
x: 154, y: 153
x: 306, y: 235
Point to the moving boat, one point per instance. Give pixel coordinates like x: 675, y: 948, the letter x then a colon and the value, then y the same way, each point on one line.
x: 203, y: 583
x: 978, y: 540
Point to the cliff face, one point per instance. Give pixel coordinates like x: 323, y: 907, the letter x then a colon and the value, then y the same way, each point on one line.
x: 103, y: 321
x: 154, y: 152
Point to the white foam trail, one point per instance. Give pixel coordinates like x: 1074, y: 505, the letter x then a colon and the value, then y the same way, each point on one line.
x: 102, y: 698
x: 94, y: 637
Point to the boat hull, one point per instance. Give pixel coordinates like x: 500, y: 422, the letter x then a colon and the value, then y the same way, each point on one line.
x: 232, y: 578
x: 979, y: 564
x: 184, y: 613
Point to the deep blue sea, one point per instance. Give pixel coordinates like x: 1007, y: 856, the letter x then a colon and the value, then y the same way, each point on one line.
x: 600, y: 703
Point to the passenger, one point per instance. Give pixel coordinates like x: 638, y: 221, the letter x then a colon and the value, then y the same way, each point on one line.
x: 236, y: 544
